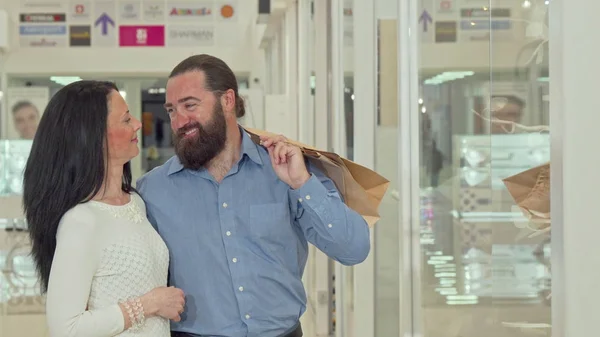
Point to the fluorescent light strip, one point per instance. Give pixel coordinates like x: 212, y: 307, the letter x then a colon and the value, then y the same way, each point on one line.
x: 64, y: 80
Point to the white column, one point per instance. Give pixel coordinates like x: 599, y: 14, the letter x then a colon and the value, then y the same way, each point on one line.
x: 304, y: 95
x: 323, y: 282
x: 338, y: 130
x: 365, y: 118
x: 574, y: 135
x: 291, y: 66
x: 322, y: 57
x: 133, y: 97
x: 409, y: 169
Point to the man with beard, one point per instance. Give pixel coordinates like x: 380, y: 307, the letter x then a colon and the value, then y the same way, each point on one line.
x: 237, y: 217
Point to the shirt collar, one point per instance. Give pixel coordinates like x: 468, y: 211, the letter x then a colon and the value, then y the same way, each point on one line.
x: 249, y: 148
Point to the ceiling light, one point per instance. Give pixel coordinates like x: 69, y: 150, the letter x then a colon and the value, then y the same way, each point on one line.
x: 64, y: 80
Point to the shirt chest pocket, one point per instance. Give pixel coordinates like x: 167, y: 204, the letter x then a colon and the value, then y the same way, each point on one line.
x: 271, y: 223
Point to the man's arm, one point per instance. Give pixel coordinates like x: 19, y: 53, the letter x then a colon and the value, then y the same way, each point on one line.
x: 327, y: 222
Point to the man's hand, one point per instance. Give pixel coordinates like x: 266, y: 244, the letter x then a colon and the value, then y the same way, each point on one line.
x: 287, y: 160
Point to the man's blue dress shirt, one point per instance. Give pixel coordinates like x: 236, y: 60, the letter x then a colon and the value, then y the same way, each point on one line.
x: 238, y: 248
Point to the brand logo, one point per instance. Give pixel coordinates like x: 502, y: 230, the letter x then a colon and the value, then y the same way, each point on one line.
x: 79, y: 9
x: 41, y: 17
x: 185, y: 36
x: 129, y: 11
x: 199, y: 35
x: 485, y: 12
x: 445, y: 5
x: 43, y: 43
x: 80, y: 35
x: 153, y: 12
x: 227, y: 11
x: 42, y: 30
x: 190, y: 11
x: 141, y: 36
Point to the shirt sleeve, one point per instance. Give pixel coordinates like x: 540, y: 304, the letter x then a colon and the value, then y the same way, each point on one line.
x: 75, y: 262
x: 328, y: 223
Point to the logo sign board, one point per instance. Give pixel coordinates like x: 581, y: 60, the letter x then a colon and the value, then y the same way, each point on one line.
x: 42, y: 30
x: 196, y: 11
x: 129, y: 10
x: 80, y: 11
x: 42, y: 17
x: 485, y: 25
x: 153, y: 11
x: 44, y: 42
x: 227, y: 12
x: 445, y: 31
x: 80, y: 36
x: 190, y: 36
x: 141, y: 36
x: 482, y: 13
x: 445, y: 6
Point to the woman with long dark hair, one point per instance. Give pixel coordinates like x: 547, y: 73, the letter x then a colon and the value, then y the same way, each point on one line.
x: 102, y: 266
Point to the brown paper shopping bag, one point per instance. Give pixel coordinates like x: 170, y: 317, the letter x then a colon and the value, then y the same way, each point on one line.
x: 531, y: 191
x: 361, y: 188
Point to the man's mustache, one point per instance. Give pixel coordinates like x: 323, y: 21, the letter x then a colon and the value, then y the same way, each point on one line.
x: 181, y: 132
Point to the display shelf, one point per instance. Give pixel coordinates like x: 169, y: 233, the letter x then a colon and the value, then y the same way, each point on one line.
x: 493, y: 264
x: 13, y: 158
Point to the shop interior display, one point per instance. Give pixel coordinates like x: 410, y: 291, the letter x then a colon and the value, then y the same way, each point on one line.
x: 13, y: 158
x: 20, y: 290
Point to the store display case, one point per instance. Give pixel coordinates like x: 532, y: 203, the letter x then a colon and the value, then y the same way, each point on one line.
x: 496, y: 260
x: 13, y: 158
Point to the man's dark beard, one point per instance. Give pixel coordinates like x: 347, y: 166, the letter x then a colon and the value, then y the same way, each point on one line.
x: 209, y: 141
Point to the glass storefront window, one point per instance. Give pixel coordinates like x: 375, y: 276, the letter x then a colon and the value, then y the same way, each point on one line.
x: 483, y: 267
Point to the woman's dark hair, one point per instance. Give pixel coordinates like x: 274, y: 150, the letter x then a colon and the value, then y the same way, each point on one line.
x: 217, y: 75
x: 67, y: 164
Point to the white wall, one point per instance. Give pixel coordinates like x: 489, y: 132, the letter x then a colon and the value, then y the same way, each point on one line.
x: 231, y: 44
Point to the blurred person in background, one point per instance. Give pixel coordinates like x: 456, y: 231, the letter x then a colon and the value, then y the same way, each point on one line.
x: 101, y: 265
x: 25, y: 119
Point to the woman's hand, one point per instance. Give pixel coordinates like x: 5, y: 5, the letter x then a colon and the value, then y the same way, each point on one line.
x: 167, y: 302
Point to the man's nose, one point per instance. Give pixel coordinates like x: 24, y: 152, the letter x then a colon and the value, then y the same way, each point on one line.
x: 180, y: 120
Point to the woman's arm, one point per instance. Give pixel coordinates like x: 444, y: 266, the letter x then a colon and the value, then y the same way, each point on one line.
x: 75, y: 262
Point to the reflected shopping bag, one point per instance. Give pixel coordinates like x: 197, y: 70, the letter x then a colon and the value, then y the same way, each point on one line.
x: 531, y: 191
x: 361, y: 188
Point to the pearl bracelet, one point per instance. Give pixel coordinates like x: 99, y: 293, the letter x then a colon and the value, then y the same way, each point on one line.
x: 135, y: 310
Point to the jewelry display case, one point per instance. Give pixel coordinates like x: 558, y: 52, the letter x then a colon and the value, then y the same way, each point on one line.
x: 497, y: 261
x: 13, y: 158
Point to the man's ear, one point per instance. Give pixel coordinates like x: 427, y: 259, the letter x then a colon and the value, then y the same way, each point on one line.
x: 228, y: 101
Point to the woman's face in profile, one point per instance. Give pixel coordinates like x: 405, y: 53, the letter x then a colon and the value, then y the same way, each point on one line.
x: 121, y: 131
x: 26, y: 121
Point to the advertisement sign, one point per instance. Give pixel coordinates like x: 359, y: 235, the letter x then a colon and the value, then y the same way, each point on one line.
x: 190, y: 36
x: 80, y: 11
x: 25, y: 108
x: 129, y: 11
x: 153, y: 11
x: 227, y: 11
x: 141, y: 36
x: 197, y: 11
x: 42, y: 17
x: 42, y: 36
x: 42, y: 30
x: 485, y: 25
x: 80, y: 36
